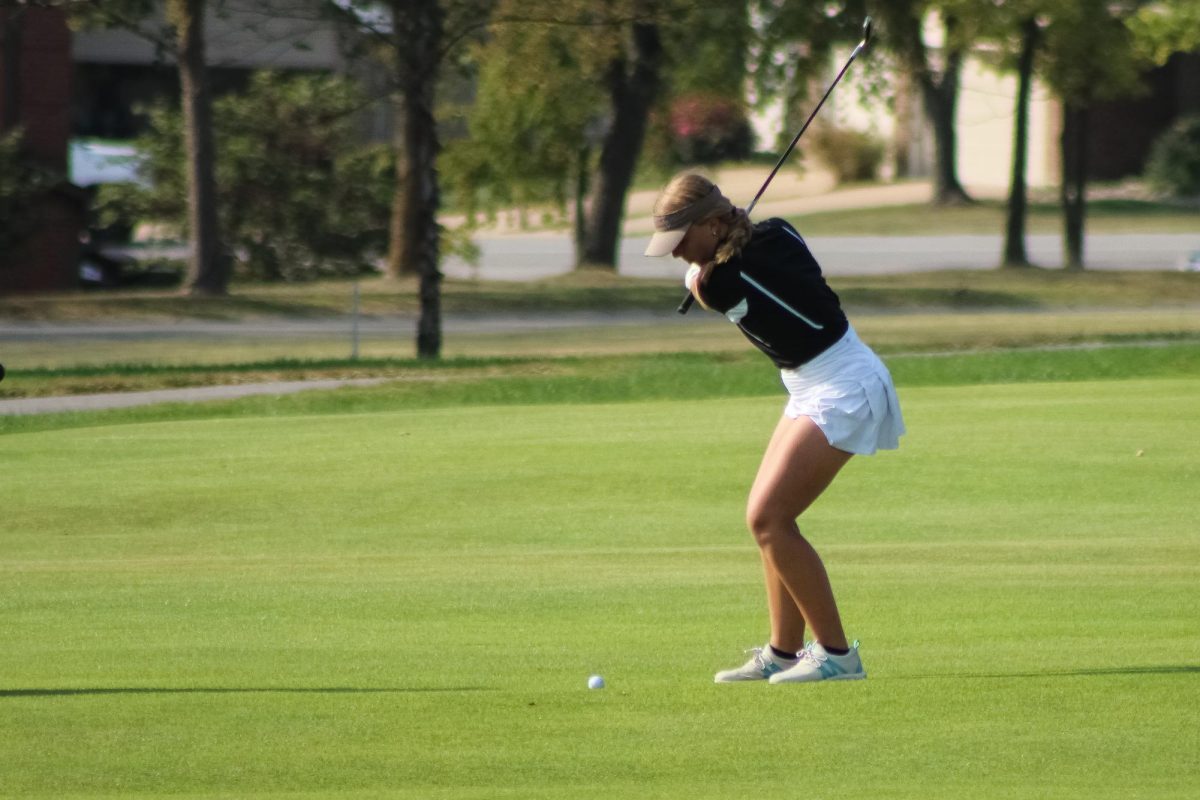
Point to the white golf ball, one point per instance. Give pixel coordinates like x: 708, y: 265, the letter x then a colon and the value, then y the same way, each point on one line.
x: 595, y: 682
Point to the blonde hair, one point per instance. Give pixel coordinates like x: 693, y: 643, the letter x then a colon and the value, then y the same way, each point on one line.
x: 688, y: 188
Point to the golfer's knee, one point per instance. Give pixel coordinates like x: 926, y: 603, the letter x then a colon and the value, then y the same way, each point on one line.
x: 765, y: 524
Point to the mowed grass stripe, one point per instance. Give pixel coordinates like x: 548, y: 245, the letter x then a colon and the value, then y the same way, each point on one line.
x: 407, y: 603
x: 663, y: 376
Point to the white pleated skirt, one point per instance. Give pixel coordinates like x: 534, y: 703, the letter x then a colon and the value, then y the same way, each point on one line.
x: 848, y: 392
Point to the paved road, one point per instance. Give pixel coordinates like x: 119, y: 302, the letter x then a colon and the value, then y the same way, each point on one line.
x: 523, y: 258
x: 526, y: 257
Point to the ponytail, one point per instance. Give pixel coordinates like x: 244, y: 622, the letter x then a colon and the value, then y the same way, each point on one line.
x: 738, y: 232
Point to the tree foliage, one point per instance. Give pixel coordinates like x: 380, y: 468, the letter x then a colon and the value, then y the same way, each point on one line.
x: 707, y: 46
x: 538, y: 106
x: 545, y: 104
x: 791, y: 46
x: 136, y: 16
x: 297, y: 198
x: 1162, y: 29
x: 564, y: 94
x: 1089, y: 51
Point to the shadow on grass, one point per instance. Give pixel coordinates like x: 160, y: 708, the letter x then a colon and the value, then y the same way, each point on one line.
x: 1166, y: 669
x: 7, y: 693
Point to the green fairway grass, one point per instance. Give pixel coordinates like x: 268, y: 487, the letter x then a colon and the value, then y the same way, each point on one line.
x: 459, y: 383
x: 395, y: 592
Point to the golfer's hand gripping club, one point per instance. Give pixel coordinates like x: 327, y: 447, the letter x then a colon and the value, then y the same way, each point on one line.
x: 689, y: 299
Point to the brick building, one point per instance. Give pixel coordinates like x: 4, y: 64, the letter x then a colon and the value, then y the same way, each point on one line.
x: 35, y: 92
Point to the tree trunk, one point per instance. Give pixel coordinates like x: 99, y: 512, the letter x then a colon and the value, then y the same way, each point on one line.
x: 940, y: 98
x: 1015, y: 254
x: 902, y: 138
x: 397, y: 266
x: 414, y: 244
x: 1074, y: 183
x: 632, y: 92
x: 10, y: 45
x: 208, y: 268
x: 582, y: 183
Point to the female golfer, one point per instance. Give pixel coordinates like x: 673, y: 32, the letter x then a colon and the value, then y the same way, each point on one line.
x: 842, y: 402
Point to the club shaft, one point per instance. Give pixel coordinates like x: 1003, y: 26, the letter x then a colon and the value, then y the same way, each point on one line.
x: 689, y: 299
x: 807, y: 122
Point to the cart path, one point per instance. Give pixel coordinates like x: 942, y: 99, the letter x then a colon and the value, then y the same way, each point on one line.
x: 194, y: 394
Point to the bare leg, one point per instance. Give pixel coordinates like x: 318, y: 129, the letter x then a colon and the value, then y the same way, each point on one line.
x: 798, y: 465
x: 787, y: 623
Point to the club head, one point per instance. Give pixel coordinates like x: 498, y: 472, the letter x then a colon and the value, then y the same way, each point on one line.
x: 866, y: 32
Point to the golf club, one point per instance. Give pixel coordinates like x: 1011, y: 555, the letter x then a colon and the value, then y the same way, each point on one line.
x: 687, y: 301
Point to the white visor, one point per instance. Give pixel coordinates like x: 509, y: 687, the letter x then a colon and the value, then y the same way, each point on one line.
x: 663, y: 243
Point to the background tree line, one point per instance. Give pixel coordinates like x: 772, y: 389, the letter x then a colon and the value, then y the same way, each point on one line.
x: 568, y: 99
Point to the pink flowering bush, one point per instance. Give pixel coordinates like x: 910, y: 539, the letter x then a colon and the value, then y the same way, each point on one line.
x: 707, y: 128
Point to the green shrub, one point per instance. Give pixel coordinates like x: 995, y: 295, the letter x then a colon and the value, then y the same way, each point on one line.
x: 1174, y: 163
x: 298, y: 196
x: 852, y: 155
x: 21, y: 181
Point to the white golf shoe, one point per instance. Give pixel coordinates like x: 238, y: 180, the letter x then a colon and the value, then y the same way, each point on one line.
x: 763, y: 664
x: 817, y: 664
